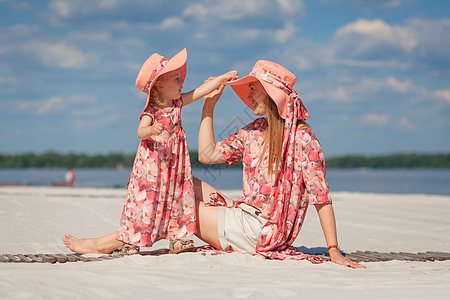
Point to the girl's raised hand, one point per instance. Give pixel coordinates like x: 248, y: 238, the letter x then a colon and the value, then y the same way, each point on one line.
x: 229, y: 76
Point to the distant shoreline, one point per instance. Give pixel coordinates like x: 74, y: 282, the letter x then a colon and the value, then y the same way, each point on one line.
x: 123, y: 161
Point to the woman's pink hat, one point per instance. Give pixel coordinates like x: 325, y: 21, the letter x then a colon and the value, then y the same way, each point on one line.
x: 276, y: 80
x: 157, y: 65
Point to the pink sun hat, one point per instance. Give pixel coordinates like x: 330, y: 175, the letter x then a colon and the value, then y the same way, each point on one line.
x: 157, y: 65
x: 277, y: 81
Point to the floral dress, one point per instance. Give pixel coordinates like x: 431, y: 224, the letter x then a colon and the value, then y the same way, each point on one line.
x: 160, y: 200
x: 284, y: 213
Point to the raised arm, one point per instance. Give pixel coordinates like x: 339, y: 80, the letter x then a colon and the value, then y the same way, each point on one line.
x: 207, y: 87
x: 207, y: 151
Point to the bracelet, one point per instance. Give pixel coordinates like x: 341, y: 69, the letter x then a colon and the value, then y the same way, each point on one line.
x: 333, y: 246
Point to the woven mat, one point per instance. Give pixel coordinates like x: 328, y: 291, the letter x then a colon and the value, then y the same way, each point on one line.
x: 358, y: 256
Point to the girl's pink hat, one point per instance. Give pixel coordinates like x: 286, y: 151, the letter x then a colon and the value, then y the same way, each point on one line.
x: 277, y: 81
x: 157, y: 65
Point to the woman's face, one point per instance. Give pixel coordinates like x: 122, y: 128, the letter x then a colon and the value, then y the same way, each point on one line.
x: 172, y: 84
x: 259, y: 98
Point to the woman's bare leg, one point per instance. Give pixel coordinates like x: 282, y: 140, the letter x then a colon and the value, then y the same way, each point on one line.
x: 104, y: 245
x: 206, y: 215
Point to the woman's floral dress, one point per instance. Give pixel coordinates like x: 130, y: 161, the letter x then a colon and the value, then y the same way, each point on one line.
x: 284, y: 213
x: 160, y: 200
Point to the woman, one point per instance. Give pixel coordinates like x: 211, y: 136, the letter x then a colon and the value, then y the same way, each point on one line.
x: 283, y: 169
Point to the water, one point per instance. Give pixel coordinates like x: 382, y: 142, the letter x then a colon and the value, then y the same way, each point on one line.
x: 420, y: 181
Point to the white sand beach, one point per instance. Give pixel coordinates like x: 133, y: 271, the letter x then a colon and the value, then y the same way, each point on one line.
x: 34, y: 220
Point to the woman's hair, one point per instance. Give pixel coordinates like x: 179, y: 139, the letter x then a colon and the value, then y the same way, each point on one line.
x: 274, y: 135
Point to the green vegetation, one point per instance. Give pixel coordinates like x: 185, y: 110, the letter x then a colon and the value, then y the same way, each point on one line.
x: 407, y: 161
x: 114, y: 160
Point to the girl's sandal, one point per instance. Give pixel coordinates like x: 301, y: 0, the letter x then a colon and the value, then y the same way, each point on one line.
x: 185, y: 246
x: 127, y: 249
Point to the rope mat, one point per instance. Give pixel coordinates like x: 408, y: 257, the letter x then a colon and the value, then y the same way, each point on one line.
x: 358, y: 256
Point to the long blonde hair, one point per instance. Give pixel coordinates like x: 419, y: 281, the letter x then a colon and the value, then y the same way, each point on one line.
x: 273, y: 136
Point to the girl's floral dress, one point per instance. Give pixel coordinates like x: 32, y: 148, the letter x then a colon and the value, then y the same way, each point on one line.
x: 160, y: 200
x: 283, y: 208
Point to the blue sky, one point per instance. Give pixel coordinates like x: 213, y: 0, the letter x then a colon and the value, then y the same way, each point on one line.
x: 374, y: 75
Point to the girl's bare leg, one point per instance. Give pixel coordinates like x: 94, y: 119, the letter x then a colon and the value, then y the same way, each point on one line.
x: 206, y: 227
x: 104, y: 245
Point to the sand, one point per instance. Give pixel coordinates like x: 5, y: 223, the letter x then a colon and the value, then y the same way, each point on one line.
x: 34, y: 220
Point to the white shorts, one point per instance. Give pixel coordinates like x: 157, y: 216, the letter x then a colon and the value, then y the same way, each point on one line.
x: 239, y: 228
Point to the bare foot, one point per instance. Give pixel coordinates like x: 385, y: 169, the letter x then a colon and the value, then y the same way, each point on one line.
x: 83, y: 246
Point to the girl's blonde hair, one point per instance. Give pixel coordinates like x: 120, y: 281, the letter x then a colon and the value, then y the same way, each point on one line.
x: 155, y: 92
x: 273, y: 136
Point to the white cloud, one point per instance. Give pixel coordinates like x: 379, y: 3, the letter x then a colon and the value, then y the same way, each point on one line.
x: 367, y: 35
x: 293, y: 7
x: 24, y: 39
x: 419, y: 44
x: 238, y: 9
x: 405, y: 123
x: 283, y: 35
x: 58, y: 55
x: 338, y: 94
x: 171, y: 22
x: 379, y: 4
x: 364, y: 89
x: 402, y: 87
x: 372, y: 63
x: 53, y: 104
x: 442, y: 95
x: 379, y: 120
x: 369, y: 85
x: 68, y: 9
x: 40, y: 107
x: 368, y: 5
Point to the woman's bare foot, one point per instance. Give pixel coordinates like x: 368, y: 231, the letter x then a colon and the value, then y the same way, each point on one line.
x: 102, y: 245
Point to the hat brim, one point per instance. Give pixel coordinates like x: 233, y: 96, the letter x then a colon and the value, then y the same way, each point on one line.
x: 241, y: 88
x: 178, y: 61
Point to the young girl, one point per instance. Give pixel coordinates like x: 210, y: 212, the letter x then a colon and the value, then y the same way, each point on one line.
x: 160, y: 200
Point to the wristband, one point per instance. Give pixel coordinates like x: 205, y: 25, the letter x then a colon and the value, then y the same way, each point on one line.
x: 333, y: 246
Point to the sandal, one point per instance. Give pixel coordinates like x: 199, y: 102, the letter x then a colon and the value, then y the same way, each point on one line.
x: 127, y: 249
x: 184, y: 246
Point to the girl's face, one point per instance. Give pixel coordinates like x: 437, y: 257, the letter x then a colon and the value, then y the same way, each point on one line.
x: 172, y: 84
x: 259, y: 98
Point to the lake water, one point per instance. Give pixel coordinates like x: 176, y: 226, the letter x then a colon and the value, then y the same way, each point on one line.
x: 415, y: 181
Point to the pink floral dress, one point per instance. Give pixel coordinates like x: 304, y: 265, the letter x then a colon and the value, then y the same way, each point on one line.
x: 160, y: 200
x: 284, y: 213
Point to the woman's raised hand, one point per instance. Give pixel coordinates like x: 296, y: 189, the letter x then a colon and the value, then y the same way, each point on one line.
x: 214, y: 96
